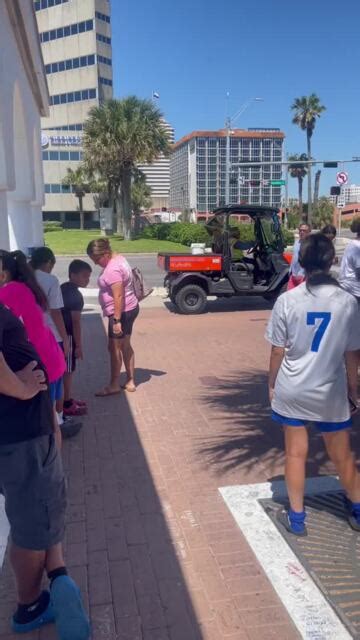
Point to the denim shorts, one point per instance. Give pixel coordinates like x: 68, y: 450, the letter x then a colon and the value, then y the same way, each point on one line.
x: 324, y: 427
x: 56, y: 390
x: 33, y: 484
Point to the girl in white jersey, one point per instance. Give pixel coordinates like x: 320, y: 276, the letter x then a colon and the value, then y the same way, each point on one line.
x: 314, y: 331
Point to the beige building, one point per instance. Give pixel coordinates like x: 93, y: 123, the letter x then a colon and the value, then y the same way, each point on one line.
x: 158, y: 177
x: 76, y: 44
x: 23, y: 99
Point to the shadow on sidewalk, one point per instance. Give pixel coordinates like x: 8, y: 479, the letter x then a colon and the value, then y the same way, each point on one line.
x: 252, y: 438
x: 136, y: 588
x: 223, y: 305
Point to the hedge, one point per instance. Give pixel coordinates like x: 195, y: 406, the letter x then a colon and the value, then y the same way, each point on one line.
x: 52, y: 225
x: 186, y: 233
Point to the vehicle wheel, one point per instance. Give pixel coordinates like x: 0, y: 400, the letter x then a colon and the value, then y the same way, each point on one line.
x: 273, y: 295
x: 191, y: 299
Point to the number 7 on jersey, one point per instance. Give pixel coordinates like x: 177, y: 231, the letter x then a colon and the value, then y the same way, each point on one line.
x: 311, y: 318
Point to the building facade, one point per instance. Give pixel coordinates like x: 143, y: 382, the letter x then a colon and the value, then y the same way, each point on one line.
x: 23, y: 99
x: 198, y: 169
x: 75, y: 38
x: 158, y: 177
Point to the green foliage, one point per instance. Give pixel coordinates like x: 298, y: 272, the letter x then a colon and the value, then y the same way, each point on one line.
x: 306, y: 109
x: 52, y: 225
x: 140, y: 193
x: 323, y: 213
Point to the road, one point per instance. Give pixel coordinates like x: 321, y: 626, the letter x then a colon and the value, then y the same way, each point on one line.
x: 147, y: 263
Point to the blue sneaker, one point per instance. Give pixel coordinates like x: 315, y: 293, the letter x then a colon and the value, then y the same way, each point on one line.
x: 71, y: 620
x: 47, y: 617
x: 292, y: 521
x: 353, y: 509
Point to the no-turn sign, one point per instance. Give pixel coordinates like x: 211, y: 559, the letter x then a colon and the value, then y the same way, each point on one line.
x: 342, y: 177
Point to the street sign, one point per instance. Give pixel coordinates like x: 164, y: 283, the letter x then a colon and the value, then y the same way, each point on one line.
x: 277, y: 183
x: 342, y: 177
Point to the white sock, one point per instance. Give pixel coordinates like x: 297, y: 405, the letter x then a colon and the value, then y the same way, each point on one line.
x: 60, y: 418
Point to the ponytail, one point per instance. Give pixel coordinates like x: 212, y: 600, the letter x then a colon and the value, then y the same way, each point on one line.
x: 16, y: 265
x: 316, y: 256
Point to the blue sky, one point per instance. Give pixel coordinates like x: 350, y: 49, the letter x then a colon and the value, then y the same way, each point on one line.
x: 192, y: 52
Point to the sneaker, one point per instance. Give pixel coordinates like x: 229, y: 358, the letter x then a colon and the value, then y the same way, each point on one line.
x: 74, y: 410
x: 70, y: 427
x: 353, y: 509
x: 80, y: 403
x: 71, y: 620
x: 47, y: 617
x: 293, y: 522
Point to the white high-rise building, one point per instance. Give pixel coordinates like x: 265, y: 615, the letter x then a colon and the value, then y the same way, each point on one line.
x: 75, y: 39
x: 158, y: 176
x: 351, y: 193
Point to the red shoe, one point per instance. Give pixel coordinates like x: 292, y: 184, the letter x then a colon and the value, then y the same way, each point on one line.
x: 80, y: 403
x: 74, y: 410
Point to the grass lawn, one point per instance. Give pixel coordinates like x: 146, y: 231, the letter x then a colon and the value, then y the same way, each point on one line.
x: 74, y: 242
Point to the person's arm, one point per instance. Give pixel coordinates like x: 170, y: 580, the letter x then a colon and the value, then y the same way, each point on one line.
x: 118, y: 294
x: 351, y: 364
x: 56, y: 303
x: 276, y: 358
x: 23, y: 385
x: 59, y: 324
x: 76, y: 324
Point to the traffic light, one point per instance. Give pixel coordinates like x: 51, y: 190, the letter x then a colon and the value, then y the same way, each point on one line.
x: 330, y: 165
x: 335, y: 191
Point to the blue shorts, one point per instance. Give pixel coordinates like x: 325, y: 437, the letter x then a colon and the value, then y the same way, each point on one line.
x: 56, y: 390
x: 324, y: 427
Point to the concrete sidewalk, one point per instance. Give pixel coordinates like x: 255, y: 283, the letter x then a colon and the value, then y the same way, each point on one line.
x: 150, y: 540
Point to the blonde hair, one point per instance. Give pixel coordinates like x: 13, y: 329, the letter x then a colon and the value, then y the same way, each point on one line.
x: 99, y: 247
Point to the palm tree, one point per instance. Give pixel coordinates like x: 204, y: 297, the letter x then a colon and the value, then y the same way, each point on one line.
x: 77, y: 180
x: 118, y: 135
x: 298, y: 171
x: 306, y: 109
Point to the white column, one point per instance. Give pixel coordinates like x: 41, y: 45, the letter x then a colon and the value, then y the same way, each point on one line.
x: 4, y: 223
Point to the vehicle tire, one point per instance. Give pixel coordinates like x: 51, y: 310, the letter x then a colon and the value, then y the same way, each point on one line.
x: 273, y: 295
x: 191, y: 299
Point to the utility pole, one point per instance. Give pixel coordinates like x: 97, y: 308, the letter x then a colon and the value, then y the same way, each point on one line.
x: 228, y: 124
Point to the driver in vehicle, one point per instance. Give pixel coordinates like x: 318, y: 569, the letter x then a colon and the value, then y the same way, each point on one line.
x: 237, y: 247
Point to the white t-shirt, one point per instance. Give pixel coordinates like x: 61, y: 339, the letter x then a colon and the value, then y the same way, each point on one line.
x: 51, y: 287
x: 316, y: 327
x: 350, y: 266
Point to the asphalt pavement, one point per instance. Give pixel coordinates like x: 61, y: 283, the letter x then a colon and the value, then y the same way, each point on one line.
x: 147, y: 263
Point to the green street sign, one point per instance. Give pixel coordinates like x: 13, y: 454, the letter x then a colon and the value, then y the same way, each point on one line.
x: 277, y: 183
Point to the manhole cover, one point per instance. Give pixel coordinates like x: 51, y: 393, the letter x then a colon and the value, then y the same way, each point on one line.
x: 330, y: 553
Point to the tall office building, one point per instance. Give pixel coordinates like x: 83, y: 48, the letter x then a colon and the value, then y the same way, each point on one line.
x: 158, y: 176
x: 198, y: 169
x: 75, y: 38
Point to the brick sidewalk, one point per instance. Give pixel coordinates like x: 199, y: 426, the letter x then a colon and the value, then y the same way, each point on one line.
x: 149, y: 539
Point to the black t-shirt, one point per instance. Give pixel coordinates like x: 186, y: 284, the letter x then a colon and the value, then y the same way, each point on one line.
x: 21, y: 419
x: 73, y: 301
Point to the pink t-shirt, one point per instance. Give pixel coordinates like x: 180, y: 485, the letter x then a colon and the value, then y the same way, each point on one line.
x: 22, y: 303
x: 117, y: 270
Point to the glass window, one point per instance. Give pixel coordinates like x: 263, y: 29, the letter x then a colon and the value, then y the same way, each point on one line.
x: 62, y: 66
x: 45, y: 155
x: 54, y: 67
x: 76, y: 63
x: 74, y: 156
x: 51, y: 3
x: 68, y: 64
x: 67, y: 31
x: 63, y: 98
x: 82, y: 26
x: 47, y: 188
x: 77, y: 95
x: 53, y: 155
x: 56, y: 99
x: 91, y: 59
x: 55, y: 188
x: 65, y: 188
x: 37, y: 6
x: 60, y: 32
x: 64, y: 155
x: 83, y: 61
x: 53, y: 34
x: 85, y: 94
x: 43, y: 4
x: 45, y: 37
x: 70, y: 97
x: 92, y: 94
x: 74, y: 29
x: 89, y: 25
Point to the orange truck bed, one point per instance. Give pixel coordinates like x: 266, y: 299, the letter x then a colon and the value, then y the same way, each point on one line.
x: 177, y: 262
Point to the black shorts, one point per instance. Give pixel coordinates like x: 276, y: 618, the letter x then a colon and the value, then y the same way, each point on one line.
x: 70, y: 359
x: 127, y: 320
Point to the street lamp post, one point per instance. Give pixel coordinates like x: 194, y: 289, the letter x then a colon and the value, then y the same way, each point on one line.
x: 228, y: 124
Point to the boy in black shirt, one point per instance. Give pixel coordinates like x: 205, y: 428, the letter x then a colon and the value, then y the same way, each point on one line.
x: 33, y: 485
x: 79, y: 276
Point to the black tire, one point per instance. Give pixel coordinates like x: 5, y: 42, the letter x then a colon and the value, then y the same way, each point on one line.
x: 273, y: 295
x: 191, y: 299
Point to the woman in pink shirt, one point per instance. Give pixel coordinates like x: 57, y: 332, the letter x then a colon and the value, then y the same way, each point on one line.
x: 120, y: 305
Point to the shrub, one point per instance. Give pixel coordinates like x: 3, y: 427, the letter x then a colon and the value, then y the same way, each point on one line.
x: 52, y: 225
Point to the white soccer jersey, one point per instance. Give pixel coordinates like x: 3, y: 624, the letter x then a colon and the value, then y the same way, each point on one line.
x: 316, y: 327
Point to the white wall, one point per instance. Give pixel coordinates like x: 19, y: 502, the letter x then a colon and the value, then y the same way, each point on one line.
x: 21, y: 100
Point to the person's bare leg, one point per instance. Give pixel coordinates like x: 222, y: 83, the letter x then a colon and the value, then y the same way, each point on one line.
x: 57, y: 430
x: 67, y: 386
x: 296, y: 450
x: 54, y: 558
x: 338, y: 448
x: 28, y: 567
x: 115, y: 368
x: 129, y: 363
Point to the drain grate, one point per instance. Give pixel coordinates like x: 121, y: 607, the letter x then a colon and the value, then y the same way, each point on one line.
x: 330, y: 553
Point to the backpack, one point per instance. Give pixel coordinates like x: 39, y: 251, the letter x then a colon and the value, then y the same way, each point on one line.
x: 140, y: 288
